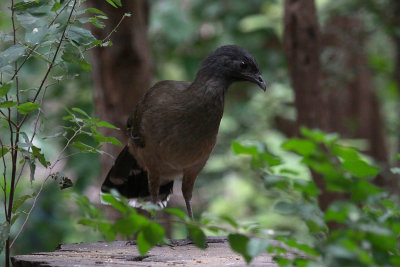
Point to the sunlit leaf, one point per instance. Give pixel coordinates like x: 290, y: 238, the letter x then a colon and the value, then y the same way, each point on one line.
x: 197, y: 235
x: 360, y: 168
x: 176, y: 212
x: 143, y: 245
x: 5, y: 88
x: 3, y: 151
x: 95, y: 11
x: 28, y: 107
x: 40, y: 156
x: 238, y: 244
x: 300, y: 146
x: 256, y: 246
x: 106, y: 124
x: 110, y: 199
x: 78, y: 110
x: 8, y: 104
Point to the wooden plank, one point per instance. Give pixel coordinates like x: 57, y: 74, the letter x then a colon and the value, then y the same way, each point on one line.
x: 122, y: 253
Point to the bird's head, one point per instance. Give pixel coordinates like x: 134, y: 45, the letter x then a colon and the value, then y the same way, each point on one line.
x: 233, y: 63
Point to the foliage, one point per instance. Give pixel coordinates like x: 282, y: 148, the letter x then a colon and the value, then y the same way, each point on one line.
x: 367, y: 220
x: 49, y: 34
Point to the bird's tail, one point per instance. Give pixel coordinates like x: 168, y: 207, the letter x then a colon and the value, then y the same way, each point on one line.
x: 130, y: 180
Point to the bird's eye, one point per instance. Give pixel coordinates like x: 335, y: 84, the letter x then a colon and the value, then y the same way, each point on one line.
x: 243, y: 65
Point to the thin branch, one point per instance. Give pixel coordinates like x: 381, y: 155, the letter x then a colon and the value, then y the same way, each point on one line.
x: 58, y: 14
x: 23, y: 62
x: 30, y: 211
x: 42, y: 185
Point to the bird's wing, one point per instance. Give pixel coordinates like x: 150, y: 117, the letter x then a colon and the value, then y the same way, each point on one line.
x: 164, y: 91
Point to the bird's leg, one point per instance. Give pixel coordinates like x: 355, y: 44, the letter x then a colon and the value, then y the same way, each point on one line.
x: 154, y: 187
x: 189, y: 178
x: 187, y: 189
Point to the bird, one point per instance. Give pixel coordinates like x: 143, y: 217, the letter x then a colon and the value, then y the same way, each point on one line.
x: 173, y: 129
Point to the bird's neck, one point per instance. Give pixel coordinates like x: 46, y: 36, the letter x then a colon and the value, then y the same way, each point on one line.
x: 211, y: 84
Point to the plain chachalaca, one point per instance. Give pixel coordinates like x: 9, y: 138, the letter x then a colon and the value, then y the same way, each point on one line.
x: 174, y: 127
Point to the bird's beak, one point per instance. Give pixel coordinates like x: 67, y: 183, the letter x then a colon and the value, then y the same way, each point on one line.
x: 260, y: 82
x: 257, y: 79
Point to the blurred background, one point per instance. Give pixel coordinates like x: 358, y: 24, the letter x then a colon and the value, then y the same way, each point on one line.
x: 352, y: 47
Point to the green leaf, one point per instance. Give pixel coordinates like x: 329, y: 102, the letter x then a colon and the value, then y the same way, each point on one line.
x: 300, y: 146
x: 84, y: 65
x: 130, y: 225
x: 360, y: 168
x: 3, y: 151
x: 106, y: 124
x: 11, y: 55
x: 88, y: 222
x: 27, y: 107
x: 197, y: 235
x: 85, y: 147
x: 143, y: 245
x: 346, y: 153
x: 35, y: 34
x: 242, y: 149
x: 114, y: 5
x: 95, y: 11
x: 40, y: 156
x: 4, y: 234
x: 110, y: 199
x: 238, y: 244
x: 97, y: 23
x: 256, y: 246
x: 106, y: 229
x: 8, y: 104
x: 302, y: 247
x: 177, y: 212
x: 153, y: 233
x: 56, y: 6
x: 124, y: 226
x: 270, y: 159
x: 15, y: 218
x: 17, y: 203
x: 230, y: 221
x: 78, y: 110
x: 80, y: 35
x: 285, y: 207
x: 118, y: 2
x: 5, y: 88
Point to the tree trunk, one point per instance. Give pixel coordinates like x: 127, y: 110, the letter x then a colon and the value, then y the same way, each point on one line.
x: 353, y: 104
x: 123, y: 72
x: 302, y: 48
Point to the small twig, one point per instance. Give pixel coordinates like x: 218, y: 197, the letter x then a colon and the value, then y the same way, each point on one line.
x: 4, y: 178
x: 23, y: 62
x: 57, y: 14
x: 30, y: 211
x: 42, y: 185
